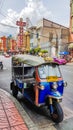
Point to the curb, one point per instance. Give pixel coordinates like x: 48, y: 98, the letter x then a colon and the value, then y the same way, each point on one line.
x: 30, y: 124
x: 70, y: 63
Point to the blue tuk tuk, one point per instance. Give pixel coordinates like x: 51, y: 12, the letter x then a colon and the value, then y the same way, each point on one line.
x: 40, y: 81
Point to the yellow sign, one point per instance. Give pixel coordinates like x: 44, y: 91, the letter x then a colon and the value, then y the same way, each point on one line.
x: 52, y: 78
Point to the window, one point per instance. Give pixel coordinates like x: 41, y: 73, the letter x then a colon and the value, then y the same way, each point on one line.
x: 28, y: 72
x: 49, y: 70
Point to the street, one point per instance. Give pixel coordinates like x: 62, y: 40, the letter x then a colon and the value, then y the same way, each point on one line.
x: 67, y: 72
x: 41, y: 116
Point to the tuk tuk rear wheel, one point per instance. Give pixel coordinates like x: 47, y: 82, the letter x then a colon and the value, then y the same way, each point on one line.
x: 11, y: 85
x: 14, y: 90
x: 57, y: 115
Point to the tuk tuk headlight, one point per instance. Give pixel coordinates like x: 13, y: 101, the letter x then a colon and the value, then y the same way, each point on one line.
x: 42, y: 87
x: 54, y: 86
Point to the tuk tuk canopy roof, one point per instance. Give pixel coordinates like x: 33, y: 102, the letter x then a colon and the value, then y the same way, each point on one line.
x: 29, y: 59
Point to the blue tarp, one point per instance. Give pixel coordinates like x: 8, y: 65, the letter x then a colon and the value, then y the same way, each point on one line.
x: 64, y: 53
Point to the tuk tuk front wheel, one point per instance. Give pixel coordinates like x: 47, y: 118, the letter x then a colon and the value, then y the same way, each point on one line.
x: 57, y: 115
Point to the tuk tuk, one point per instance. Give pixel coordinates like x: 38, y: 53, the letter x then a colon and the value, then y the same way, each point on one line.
x: 40, y: 81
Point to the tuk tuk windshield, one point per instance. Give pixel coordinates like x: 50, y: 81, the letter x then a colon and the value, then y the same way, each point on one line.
x: 49, y: 70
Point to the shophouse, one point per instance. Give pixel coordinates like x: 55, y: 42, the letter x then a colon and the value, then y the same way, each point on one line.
x: 50, y: 36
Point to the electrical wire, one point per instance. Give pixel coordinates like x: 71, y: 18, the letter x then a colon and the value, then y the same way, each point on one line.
x: 27, y: 30
x: 3, y: 14
x: 8, y: 25
x: 1, y: 4
x: 41, y: 35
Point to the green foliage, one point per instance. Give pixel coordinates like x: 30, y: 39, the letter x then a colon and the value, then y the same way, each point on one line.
x: 44, y: 51
x: 37, y: 50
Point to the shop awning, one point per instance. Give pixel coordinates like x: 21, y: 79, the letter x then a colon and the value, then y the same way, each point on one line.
x: 64, y: 53
x: 70, y: 46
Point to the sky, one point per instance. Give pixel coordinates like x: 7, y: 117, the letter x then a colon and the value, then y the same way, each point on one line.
x: 57, y: 11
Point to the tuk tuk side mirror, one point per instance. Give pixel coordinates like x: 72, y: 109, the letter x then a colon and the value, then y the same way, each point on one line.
x: 65, y: 84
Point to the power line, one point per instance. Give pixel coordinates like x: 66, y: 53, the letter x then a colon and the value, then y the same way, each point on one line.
x: 6, y: 16
x: 1, y: 4
x: 8, y: 25
x: 27, y: 30
x: 41, y: 35
x: 24, y: 29
x: 5, y: 32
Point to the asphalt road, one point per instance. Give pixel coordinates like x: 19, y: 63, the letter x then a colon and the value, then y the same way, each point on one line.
x: 67, y: 72
x: 41, y: 116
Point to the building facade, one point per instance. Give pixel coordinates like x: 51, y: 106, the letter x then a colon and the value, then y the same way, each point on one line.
x: 50, y: 36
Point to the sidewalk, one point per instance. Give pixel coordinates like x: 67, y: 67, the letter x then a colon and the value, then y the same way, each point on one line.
x: 12, y: 115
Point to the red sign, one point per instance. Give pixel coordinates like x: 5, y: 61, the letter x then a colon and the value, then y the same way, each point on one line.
x: 20, y: 23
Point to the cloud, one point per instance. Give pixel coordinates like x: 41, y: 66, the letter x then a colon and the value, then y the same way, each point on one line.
x: 10, y: 17
x: 34, y: 10
x: 10, y: 20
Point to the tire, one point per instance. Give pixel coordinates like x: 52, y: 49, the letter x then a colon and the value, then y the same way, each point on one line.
x: 57, y: 115
x: 14, y: 89
x: 11, y: 85
x: 2, y: 67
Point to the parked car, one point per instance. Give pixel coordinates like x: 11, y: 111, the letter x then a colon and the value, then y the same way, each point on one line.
x: 60, y: 61
x: 6, y: 55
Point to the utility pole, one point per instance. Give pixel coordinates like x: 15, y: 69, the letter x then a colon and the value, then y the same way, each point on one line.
x: 71, y: 21
x: 27, y: 24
